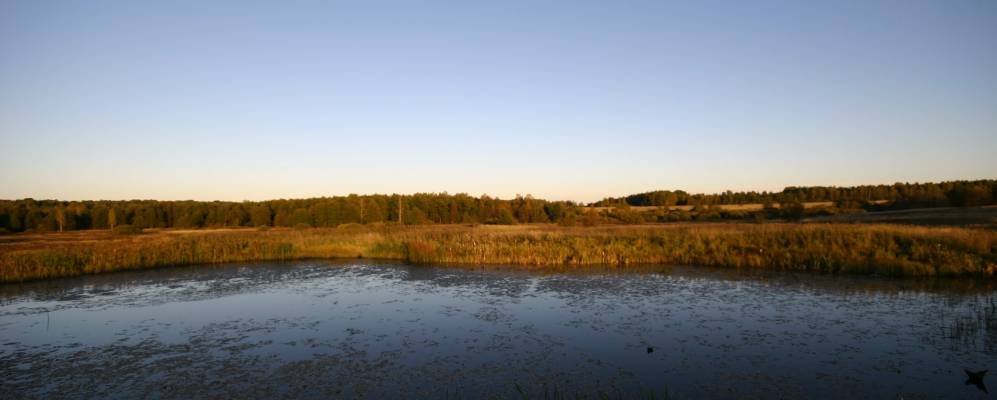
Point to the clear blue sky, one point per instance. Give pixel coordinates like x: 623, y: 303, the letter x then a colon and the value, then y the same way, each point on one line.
x: 564, y: 100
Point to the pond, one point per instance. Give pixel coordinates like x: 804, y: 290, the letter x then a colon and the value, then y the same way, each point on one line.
x: 360, y: 328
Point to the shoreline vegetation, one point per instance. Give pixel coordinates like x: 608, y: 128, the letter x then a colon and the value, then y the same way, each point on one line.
x: 878, y: 249
x: 837, y: 230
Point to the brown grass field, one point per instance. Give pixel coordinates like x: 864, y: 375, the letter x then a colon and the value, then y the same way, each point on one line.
x: 826, y: 248
x: 982, y: 217
x: 726, y: 207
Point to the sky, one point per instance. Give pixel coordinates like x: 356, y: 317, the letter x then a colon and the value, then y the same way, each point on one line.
x: 564, y: 100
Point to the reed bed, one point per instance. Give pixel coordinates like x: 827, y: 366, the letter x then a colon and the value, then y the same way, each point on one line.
x: 827, y: 248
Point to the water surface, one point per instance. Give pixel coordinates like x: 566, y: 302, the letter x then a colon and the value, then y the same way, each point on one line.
x: 321, y: 329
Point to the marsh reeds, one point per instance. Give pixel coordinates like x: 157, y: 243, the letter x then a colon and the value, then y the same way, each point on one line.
x: 827, y: 248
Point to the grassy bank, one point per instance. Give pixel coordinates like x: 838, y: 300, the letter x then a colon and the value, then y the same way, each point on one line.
x: 863, y: 249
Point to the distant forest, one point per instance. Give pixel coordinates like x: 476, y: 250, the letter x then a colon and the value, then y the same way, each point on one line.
x: 441, y: 208
x: 429, y: 208
x: 900, y: 195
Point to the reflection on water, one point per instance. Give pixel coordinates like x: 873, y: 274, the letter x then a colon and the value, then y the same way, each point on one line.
x: 323, y: 329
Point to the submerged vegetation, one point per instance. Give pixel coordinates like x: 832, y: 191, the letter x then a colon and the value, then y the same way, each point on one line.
x: 860, y: 249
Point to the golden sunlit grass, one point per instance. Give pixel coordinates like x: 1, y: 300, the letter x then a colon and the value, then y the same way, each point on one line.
x: 864, y: 249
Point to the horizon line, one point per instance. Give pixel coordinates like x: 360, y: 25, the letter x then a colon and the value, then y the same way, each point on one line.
x: 530, y: 195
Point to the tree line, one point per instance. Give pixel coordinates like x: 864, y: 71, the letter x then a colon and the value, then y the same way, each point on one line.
x: 423, y: 208
x: 442, y: 208
x: 898, y: 195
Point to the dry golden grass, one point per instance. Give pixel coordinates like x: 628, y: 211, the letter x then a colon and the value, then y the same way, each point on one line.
x: 869, y: 249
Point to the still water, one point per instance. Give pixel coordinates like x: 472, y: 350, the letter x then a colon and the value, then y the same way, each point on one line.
x: 323, y: 329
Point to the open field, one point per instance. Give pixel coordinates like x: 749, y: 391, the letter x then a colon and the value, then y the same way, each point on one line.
x: 984, y: 217
x: 828, y: 248
x: 724, y: 207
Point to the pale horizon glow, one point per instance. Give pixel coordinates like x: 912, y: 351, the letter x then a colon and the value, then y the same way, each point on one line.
x: 564, y: 100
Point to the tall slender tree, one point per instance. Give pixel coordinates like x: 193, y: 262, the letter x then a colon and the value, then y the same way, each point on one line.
x: 60, y: 217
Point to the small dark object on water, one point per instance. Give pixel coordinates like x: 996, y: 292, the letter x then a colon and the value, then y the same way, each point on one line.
x: 650, y: 350
x: 976, y: 378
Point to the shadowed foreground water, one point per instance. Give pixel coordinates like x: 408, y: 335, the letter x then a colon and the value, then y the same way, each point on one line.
x: 322, y: 329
